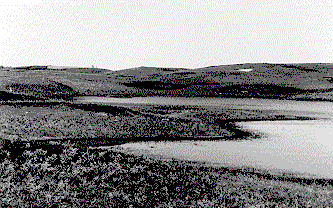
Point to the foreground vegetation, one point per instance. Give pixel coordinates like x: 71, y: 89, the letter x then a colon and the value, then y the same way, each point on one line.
x: 81, y: 177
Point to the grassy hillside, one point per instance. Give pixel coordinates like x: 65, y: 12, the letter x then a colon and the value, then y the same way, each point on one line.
x: 284, y: 81
x: 245, y: 80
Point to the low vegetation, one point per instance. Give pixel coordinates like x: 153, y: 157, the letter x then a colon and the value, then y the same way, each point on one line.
x: 104, y: 178
x: 106, y: 125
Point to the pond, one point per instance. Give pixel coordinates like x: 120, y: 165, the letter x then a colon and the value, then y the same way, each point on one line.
x: 298, y: 147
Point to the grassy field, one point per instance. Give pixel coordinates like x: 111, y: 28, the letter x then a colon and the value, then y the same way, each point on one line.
x: 109, y: 124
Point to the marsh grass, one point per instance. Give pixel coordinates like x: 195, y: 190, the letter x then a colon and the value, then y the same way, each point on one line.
x: 104, y: 178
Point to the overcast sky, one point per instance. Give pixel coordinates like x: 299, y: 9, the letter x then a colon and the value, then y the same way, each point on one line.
x: 119, y: 34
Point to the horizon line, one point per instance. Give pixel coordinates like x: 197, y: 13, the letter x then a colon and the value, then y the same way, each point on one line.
x: 209, y: 66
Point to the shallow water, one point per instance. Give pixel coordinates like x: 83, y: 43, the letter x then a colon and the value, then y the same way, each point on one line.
x: 300, y: 147
x: 303, y: 108
x: 297, y: 146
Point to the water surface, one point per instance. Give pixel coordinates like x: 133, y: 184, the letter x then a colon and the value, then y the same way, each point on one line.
x: 304, y: 108
x: 300, y: 147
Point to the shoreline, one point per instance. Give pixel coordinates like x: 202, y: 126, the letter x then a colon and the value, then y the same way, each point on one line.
x: 227, y: 123
x: 238, y: 133
x: 276, y: 174
x: 230, y: 125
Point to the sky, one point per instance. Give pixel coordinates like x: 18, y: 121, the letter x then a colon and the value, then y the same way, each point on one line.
x: 120, y: 34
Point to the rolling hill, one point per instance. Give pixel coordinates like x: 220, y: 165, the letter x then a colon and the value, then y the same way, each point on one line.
x: 283, y: 81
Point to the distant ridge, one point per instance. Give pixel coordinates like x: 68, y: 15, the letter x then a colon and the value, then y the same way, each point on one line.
x: 30, y: 67
x: 170, y: 69
x: 262, y: 80
x: 62, y: 68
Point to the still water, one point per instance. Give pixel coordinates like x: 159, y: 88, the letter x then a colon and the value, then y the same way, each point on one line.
x: 301, y: 108
x: 299, y: 147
